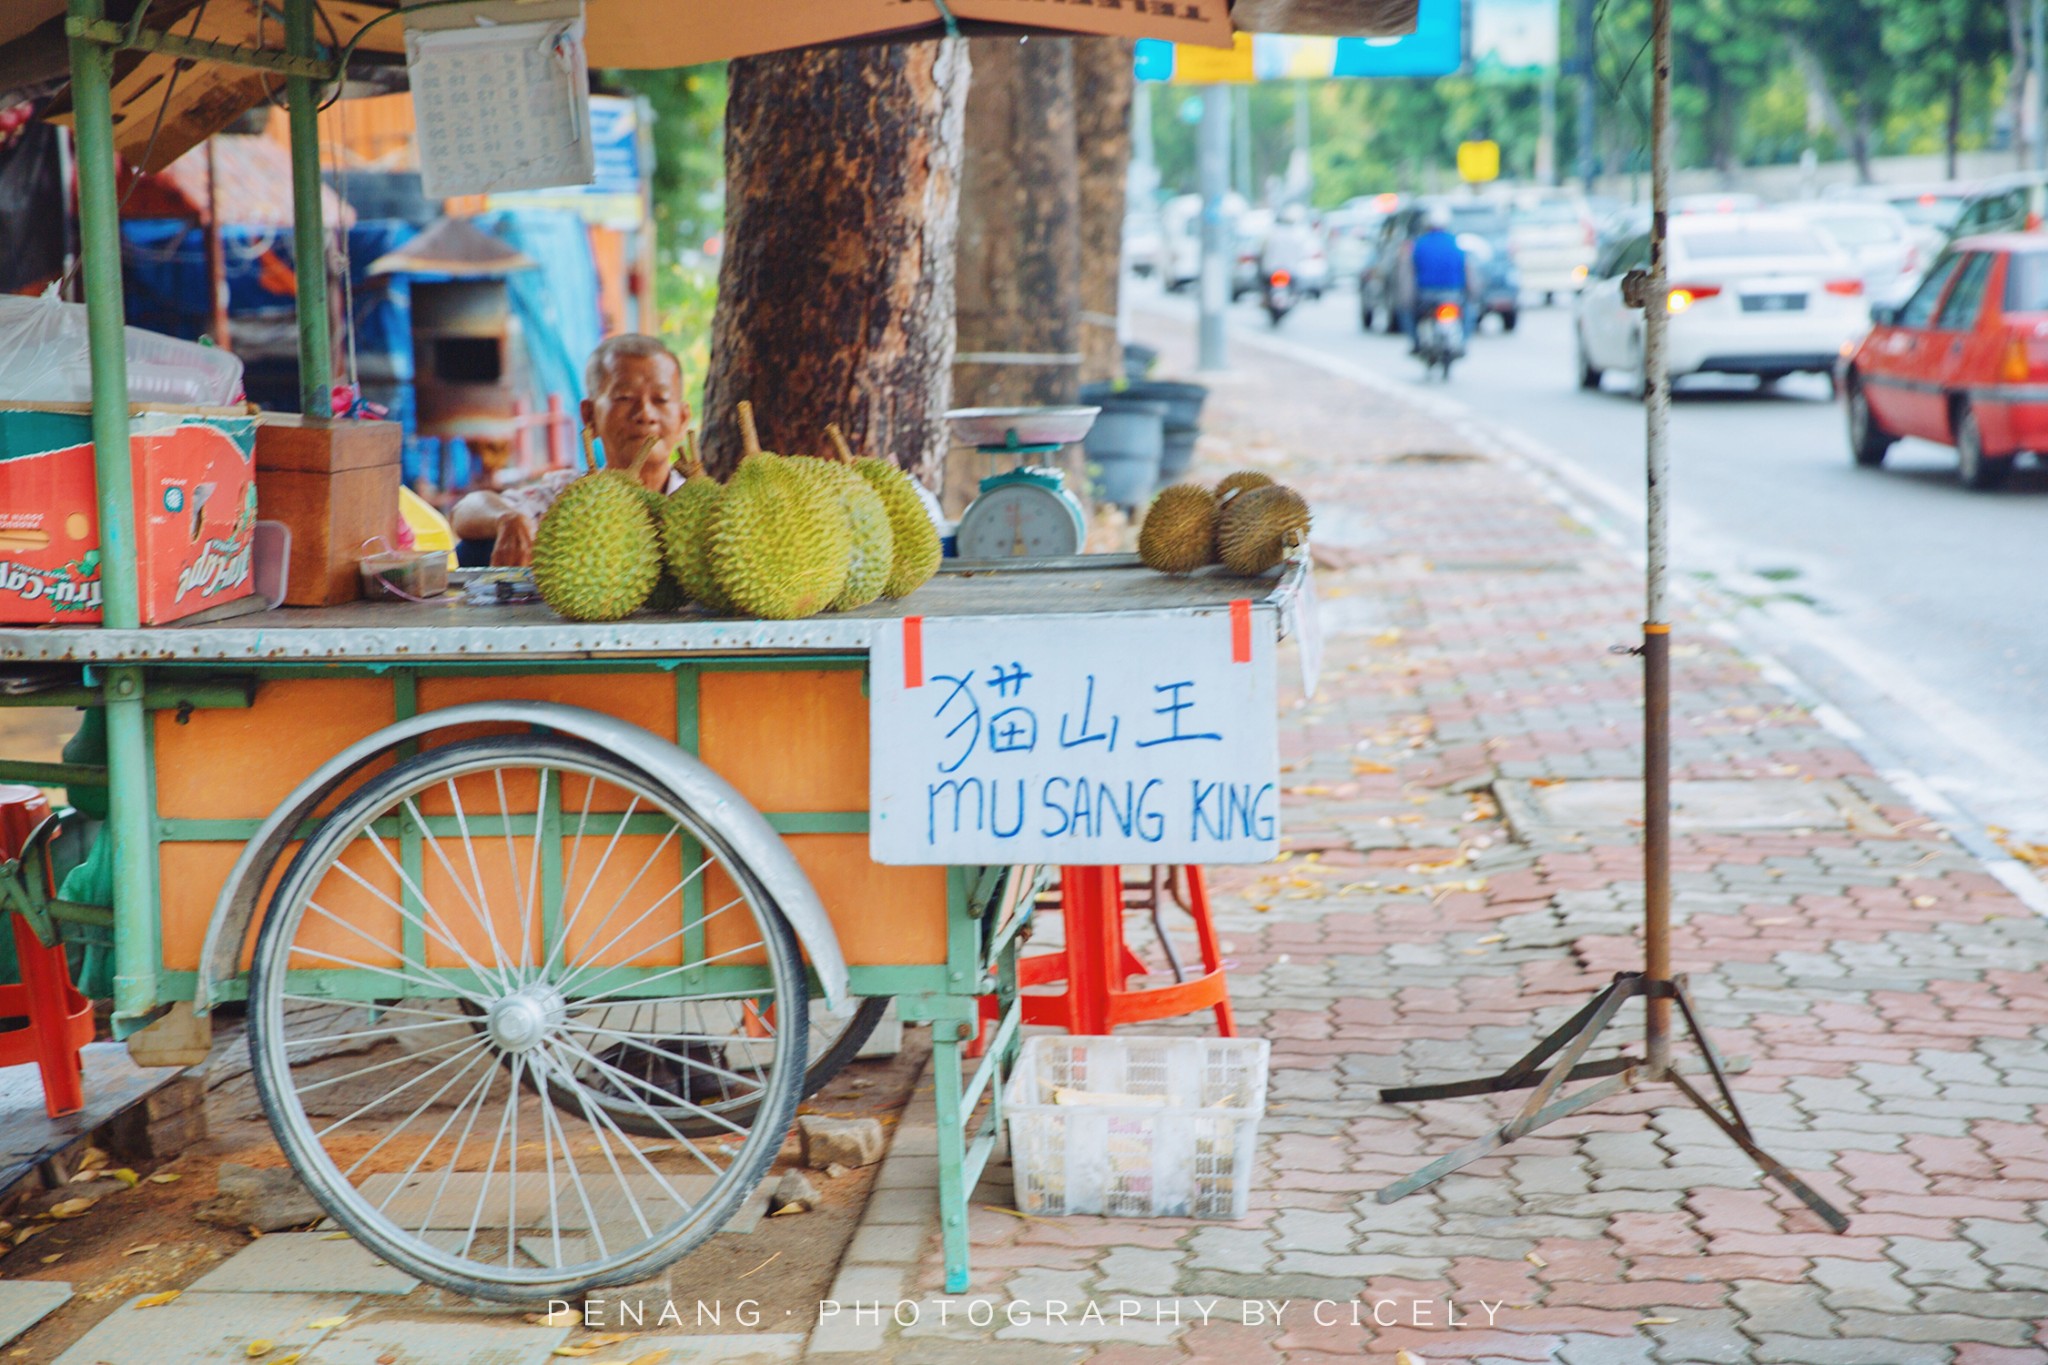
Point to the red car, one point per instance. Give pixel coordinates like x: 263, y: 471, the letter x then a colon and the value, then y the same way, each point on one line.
x: 1964, y: 361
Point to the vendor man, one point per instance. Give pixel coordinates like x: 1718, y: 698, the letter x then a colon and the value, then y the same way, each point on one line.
x: 635, y: 385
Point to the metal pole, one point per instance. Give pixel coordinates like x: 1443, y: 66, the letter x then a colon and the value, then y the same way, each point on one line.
x: 309, y: 237
x: 1241, y: 97
x: 1546, y: 134
x: 216, y: 258
x: 2039, y: 98
x: 1656, y: 623
x: 1213, y: 161
x: 129, y: 784
x: 1588, y: 79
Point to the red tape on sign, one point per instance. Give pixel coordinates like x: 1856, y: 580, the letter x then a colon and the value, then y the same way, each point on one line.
x: 1241, y: 631
x: 913, y: 651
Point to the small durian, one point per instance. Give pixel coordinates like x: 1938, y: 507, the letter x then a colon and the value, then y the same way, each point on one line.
x: 1179, y: 534
x: 917, y: 540
x: 596, y: 555
x: 689, y: 523
x: 782, y: 546
x: 1258, y: 527
x: 873, y: 555
x: 1242, y: 481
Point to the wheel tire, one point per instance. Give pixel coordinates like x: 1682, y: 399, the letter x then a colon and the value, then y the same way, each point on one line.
x: 1589, y: 377
x: 1868, y: 442
x: 351, y: 827
x: 1977, y: 470
x: 1509, y: 319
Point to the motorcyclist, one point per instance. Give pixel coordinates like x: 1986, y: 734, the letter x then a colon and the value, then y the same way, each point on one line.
x: 1287, y: 244
x: 1440, y: 272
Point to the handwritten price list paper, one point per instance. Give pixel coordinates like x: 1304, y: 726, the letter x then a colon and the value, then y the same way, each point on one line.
x: 1144, y: 738
x: 499, y: 109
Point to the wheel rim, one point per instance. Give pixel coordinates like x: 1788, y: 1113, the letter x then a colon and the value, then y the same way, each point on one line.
x: 462, y: 1110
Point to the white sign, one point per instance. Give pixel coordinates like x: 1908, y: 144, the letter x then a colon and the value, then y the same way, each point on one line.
x: 1514, y: 37
x: 1090, y: 740
x: 500, y: 108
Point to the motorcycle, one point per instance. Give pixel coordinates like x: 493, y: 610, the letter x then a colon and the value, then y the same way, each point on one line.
x: 1440, y: 335
x: 1280, y: 295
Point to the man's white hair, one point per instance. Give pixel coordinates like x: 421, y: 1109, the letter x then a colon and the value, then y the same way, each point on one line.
x: 614, y: 349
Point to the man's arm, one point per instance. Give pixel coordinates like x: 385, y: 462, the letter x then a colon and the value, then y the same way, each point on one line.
x: 477, y: 515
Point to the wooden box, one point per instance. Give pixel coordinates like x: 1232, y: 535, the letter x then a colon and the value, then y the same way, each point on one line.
x: 335, y: 483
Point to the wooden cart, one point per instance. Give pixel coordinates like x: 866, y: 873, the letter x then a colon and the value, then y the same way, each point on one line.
x: 529, y: 914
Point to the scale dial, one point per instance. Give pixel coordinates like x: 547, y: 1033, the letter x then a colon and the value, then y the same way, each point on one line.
x: 1020, y: 521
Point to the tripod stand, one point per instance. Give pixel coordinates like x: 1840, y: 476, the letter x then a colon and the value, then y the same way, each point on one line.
x: 1655, y: 984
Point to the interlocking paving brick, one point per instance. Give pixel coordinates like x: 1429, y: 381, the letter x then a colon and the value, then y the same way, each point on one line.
x: 406, y: 1341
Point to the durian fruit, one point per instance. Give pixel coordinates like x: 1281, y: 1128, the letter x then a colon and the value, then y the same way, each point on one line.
x: 873, y: 554
x: 1179, y: 534
x: 1242, y: 481
x: 917, y: 540
x: 782, y: 547
x: 689, y: 525
x: 596, y: 554
x: 667, y: 595
x: 1257, y: 528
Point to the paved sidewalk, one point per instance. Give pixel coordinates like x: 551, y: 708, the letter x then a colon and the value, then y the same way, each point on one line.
x: 1888, y: 991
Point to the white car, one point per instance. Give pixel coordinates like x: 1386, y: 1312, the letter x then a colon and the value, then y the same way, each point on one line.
x: 1883, y: 243
x: 1552, y: 240
x: 1766, y: 294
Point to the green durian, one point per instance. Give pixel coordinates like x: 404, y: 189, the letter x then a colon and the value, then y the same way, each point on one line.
x: 873, y: 555
x: 782, y: 546
x: 689, y: 525
x: 917, y: 540
x: 1258, y: 527
x: 596, y: 555
x: 1179, y: 534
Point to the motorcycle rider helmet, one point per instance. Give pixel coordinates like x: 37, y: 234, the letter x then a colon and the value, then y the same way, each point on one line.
x: 1438, y: 217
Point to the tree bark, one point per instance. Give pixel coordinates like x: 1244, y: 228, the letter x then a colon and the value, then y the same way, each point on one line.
x: 1104, y: 81
x: 835, y: 294
x: 1019, y: 246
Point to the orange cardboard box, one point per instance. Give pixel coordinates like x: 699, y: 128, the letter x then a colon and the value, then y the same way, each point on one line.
x: 195, y: 512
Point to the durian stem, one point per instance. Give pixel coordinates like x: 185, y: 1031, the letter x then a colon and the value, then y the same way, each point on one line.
x: 750, y: 438
x: 693, y: 463
x: 646, y: 453
x: 589, y: 450
x: 839, y: 442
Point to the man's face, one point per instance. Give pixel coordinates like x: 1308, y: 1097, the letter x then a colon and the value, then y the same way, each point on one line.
x: 642, y: 400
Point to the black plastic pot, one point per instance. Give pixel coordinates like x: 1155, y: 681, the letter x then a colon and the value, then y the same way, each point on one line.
x: 1124, y: 449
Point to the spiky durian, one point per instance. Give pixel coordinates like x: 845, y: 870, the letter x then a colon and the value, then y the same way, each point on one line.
x: 1257, y: 528
x: 597, y: 554
x: 1179, y: 534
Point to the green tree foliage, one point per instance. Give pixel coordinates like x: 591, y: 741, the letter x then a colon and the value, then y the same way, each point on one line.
x: 689, y: 153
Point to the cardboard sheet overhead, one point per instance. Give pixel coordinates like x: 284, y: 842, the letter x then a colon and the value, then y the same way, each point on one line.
x: 632, y: 33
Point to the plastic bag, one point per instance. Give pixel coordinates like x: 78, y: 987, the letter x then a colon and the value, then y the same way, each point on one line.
x: 44, y: 358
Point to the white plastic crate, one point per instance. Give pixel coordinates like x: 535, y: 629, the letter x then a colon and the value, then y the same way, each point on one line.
x: 1136, y: 1127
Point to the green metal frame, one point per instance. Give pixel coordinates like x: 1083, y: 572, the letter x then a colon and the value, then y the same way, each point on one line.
x: 981, y: 952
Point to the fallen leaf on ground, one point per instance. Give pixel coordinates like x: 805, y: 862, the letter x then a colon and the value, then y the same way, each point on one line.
x: 139, y: 1250
x: 1655, y: 1322
x: 1494, y: 938
x: 575, y: 1350
x: 322, y: 1324
x: 561, y: 1317
x: 1533, y: 1259
x: 126, y: 1177
x: 158, y: 1300
x: 256, y: 1349
x: 292, y: 1359
x: 92, y: 1159
x: 1408, y: 1358
x: 24, y: 1234
x: 70, y: 1208
x: 335, y: 1237
x: 165, y: 1178
x: 53, y: 1258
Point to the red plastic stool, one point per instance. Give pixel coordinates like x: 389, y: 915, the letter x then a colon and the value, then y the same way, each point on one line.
x: 59, y: 1017
x: 1096, y: 964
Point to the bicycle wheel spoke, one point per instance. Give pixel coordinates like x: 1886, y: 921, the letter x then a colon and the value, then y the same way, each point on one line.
x: 441, y: 988
x: 435, y: 930
x: 388, y: 1063
x: 476, y: 908
x: 378, y: 1006
x: 676, y: 1100
x: 597, y: 1113
x: 483, y: 1083
x: 483, y: 1188
x: 386, y: 1098
x: 530, y: 906
x: 370, y: 1033
x: 547, y: 961
x: 455, y: 1158
x: 676, y: 890
x: 591, y: 1116
x: 406, y: 1123
x: 685, y: 1060
x: 549, y: 1112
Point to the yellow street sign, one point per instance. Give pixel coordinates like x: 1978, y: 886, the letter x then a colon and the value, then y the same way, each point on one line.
x: 1478, y: 162
x: 1231, y: 65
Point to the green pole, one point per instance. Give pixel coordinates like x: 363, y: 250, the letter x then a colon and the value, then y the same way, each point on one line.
x: 129, y: 784
x: 309, y: 238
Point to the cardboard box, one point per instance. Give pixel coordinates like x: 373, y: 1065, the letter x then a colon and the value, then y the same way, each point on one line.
x: 195, y: 511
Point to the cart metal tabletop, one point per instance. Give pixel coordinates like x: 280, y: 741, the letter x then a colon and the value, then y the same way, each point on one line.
x: 1085, y: 585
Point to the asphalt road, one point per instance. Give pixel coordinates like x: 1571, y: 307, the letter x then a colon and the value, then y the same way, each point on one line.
x: 1916, y: 607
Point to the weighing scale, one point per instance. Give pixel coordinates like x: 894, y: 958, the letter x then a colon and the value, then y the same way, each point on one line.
x: 1026, y: 512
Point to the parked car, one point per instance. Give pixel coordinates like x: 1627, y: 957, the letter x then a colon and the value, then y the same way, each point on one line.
x: 1552, y: 240
x: 1481, y: 226
x: 1877, y: 236
x: 1749, y: 293
x: 1964, y: 362
x: 2007, y: 203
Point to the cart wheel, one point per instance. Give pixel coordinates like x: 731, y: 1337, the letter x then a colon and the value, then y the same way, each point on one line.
x: 648, y: 1041
x: 492, y: 1160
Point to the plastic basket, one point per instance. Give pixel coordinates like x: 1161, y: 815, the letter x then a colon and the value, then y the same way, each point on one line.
x: 1136, y: 1127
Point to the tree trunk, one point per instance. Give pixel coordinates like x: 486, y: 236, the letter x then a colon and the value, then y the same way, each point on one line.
x: 1860, y: 144
x: 2016, y: 83
x: 1020, y: 251
x: 1104, y: 80
x: 835, y: 294
x: 1953, y: 134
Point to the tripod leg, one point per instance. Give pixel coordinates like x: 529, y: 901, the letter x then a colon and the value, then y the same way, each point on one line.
x: 1525, y: 1071
x: 1465, y: 1156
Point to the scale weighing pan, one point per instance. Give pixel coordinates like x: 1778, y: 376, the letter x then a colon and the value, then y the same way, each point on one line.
x: 1014, y: 427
